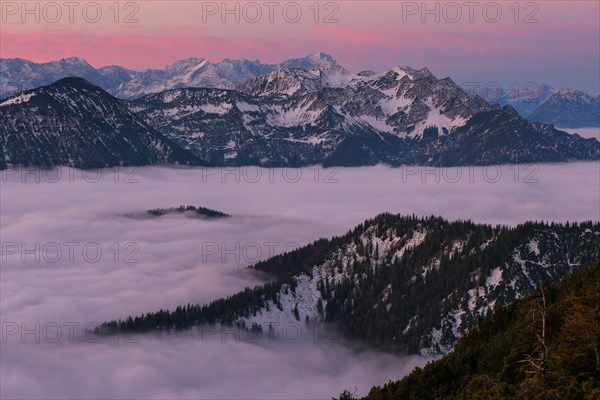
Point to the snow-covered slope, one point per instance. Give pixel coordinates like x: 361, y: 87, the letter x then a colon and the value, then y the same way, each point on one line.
x: 431, y: 292
x: 403, y: 101
x: 290, y: 117
x: 293, y: 117
x: 426, y: 283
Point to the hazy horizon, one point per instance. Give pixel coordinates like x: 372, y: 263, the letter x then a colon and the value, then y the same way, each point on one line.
x: 489, y: 42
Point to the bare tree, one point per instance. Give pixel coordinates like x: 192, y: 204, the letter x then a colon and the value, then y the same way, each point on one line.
x: 538, y: 361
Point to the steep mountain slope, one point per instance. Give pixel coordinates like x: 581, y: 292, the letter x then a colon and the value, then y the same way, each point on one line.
x: 324, y: 115
x: 505, y: 358
x: 403, y: 101
x: 75, y: 123
x: 219, y: 126
x: 400, y: 283
x: 17, y: 74
x: 294, y: 117
x: 569, y: 109
x: 501, y: 134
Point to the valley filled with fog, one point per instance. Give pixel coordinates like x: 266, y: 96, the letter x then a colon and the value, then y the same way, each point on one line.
x: 73, y: 256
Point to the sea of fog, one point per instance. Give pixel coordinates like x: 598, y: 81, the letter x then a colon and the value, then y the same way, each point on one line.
x: 73, y: 256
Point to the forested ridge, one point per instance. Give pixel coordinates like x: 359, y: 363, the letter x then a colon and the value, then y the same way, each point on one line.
x: 400, y: 283
x: 544, y: 346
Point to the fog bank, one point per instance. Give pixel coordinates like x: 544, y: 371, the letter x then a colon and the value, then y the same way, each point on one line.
x: 70, y: 254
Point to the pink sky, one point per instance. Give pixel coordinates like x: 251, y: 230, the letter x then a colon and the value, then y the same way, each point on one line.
x: 562, y: 46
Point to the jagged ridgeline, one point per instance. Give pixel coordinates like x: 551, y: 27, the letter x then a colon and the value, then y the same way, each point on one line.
x: 286, y: 118
x: 505, y: 357
x: 401, y: 283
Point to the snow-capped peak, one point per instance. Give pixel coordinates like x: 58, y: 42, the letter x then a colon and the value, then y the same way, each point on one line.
x: 285, y: 81
x: 400, y: 73
x: 74, y: 61
x: 333, y: 75
x: 412, y: 73
x: 187, y: 63
x: 320, y: 57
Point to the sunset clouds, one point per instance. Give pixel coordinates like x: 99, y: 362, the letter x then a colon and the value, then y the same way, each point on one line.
x: 554, y: 41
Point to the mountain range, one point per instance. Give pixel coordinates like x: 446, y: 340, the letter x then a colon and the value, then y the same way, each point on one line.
x: 17, y: 74
x: 524, y: 99
x: 287, y: 118
x: 565, y: 108
x: 399, y: 283
x: 568, y: 109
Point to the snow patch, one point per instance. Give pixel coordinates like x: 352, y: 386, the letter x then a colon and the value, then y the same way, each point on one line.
x: 220, y: 109
x: 495, y: 278
x: 534, y: 247
x: 304, y: 298
x: 23, y: 98
x: 244, y: 107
